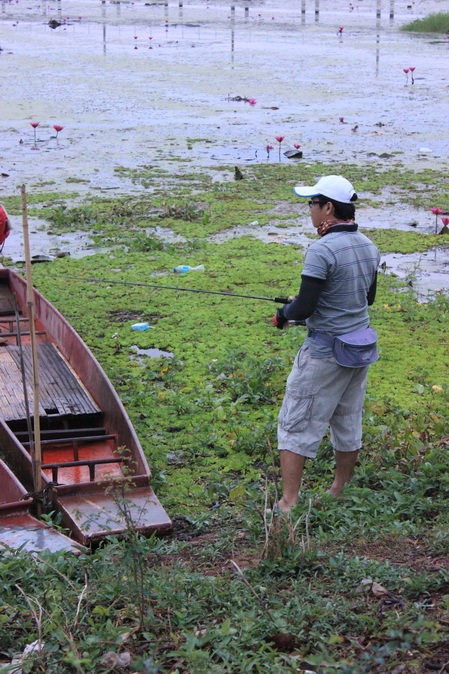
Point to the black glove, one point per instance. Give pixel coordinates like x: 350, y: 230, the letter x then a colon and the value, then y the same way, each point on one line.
x: 279, y: 319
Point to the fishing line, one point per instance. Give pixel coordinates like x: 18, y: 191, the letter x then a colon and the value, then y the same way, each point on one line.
x: 279, y: 300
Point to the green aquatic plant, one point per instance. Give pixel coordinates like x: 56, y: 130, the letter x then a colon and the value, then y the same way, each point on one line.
x: 359, y: 583
x: 434, y: 23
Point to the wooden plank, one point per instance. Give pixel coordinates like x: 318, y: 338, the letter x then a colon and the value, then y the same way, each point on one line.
x: 6, y: 299
x: 60, y: 390
x: 94, y: 515
x: 12, y: 399
x: 23, y: 531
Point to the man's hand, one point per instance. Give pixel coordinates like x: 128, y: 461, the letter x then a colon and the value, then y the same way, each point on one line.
x: 279, y: 319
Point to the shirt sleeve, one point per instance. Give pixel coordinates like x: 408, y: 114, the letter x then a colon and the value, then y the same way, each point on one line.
x: 319, y: 263
x: 371, y: 295
x: 306, y: 301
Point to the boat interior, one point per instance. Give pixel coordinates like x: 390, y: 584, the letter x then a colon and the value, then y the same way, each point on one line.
x: 75, y: 445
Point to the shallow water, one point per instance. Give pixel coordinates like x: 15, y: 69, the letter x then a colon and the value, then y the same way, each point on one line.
x: 150, y: 353
x: 427, y: 273
x: 135, y: 83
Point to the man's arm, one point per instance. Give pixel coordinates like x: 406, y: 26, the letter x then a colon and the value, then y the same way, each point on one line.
x: 305, y: 302
x: 371, y: 296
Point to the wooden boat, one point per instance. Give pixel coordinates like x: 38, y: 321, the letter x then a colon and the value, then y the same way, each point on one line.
x: 94, y: 472
x: 19, y: 530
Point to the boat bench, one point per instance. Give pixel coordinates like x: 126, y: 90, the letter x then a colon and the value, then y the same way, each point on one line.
x: 90, y: 463
x: 73, y: 441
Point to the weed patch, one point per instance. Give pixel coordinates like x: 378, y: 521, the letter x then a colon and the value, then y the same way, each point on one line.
x: 434, y: 23
x: 358, y: 584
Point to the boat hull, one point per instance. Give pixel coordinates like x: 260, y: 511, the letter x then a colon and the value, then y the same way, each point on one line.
x: 19, y: 529
x: 92, y: 460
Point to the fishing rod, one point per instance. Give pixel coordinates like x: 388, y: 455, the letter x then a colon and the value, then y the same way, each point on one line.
x: 279, y: 300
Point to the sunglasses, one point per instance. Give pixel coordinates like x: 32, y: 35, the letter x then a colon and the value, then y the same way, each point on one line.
x: 312, y: 202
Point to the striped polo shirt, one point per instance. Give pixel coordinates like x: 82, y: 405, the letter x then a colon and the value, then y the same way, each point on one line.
x: 347, y: 262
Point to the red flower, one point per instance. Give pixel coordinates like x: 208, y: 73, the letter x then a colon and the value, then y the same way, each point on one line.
x: 252, y: 101
x: 269, y: 147
x: 57, y: 128
x: 341, y: 29
x: 406, y: 70
x: 34, y: 125
x: 279, y: 138
x: 412, y: 69
x: 445, y: 221
x: 296, y: 146
x: 436, y: 212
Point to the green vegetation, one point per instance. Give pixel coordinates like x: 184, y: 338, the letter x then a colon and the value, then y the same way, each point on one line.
x: 358, y: 585
x: 434, y: 23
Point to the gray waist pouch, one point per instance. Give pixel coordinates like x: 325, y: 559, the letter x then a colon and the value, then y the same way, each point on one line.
x: 356, y: 349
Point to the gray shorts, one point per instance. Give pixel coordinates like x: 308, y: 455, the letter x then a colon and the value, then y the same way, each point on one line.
x: 321, y: 394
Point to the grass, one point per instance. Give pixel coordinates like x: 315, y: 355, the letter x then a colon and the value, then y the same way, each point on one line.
x: 434, y: 23
x: 355, y: 585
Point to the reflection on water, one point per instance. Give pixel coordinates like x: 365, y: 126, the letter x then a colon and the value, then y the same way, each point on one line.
x: 312, y: 7
x: 150, y: 353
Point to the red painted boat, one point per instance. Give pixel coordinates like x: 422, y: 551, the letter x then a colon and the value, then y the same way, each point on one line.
x: 19, y: 530
x: 94, y: 472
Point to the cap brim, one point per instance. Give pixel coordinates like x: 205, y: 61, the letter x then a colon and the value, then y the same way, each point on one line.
x: 304, y: 191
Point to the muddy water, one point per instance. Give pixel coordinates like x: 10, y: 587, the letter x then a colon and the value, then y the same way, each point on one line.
x: 135, y: 83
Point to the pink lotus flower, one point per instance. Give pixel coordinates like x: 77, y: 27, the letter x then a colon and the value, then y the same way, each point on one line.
x: 412, y: 70
x: 269, y: 148
x: 340, y: 29
x: 406, y: 71
x: 34, y: 125
x: 296, y: 146
x: 252, y: 101
x: 279, y: 140
x: 436, y: 212
x: 57, y: 128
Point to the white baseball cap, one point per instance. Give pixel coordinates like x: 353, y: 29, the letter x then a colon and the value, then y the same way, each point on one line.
x: 333, y: 187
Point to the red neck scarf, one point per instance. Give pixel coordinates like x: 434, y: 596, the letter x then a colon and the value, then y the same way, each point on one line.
x: 326, y: 225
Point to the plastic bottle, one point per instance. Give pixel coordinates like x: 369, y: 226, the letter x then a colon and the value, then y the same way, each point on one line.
x: 140, y: 326
x: 184, y: 268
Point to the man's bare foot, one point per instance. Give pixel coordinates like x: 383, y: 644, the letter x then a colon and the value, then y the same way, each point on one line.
x: 285, y: 507
x: 333, y: 491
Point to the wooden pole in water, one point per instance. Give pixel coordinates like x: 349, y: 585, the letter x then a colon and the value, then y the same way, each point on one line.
x: 37, y: 459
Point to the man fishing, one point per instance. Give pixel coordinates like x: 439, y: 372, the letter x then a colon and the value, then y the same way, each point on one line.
x: 327, y: 385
